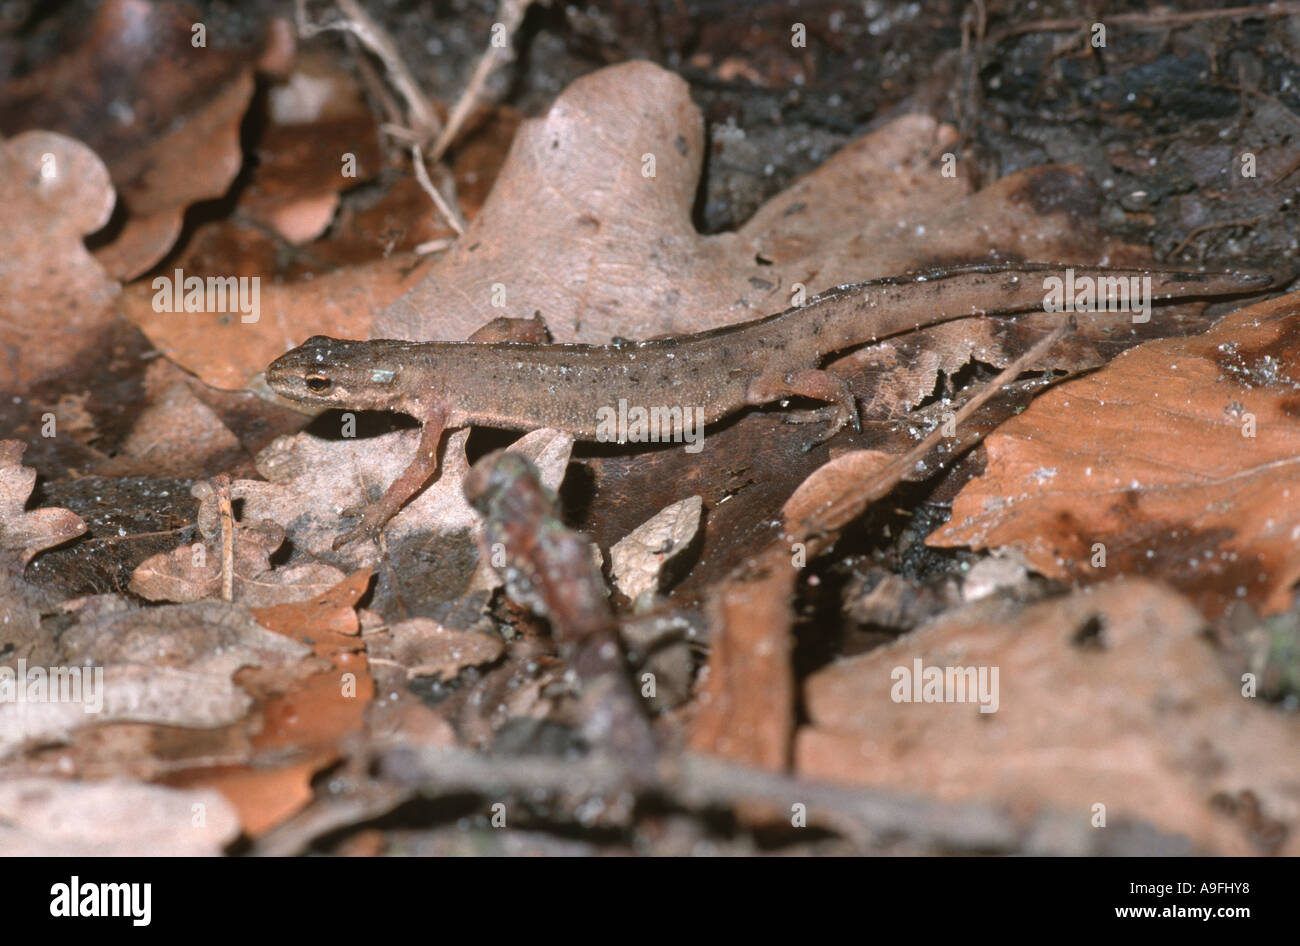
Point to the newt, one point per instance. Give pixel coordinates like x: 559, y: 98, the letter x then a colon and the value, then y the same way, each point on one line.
x: 509, y: 375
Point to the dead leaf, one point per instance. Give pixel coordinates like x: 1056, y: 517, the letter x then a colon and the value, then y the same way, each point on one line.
x: 262, y: 798
x: 637, y: 561
x: 175, y: 434
x: 309, y: 482
x: 215, y: 636
x: 226, y: 352
x: 45, y: 817
x: 1108, y: 697
x: 1177, y: 461
x: 125, y: 693
x: 164, y: 120
x: 582, y: 260
x: 294, y: 190
x: 169, y: 665
x: 320, y: 139
x: 425, y: 648
x: 328, y: 621
x: 306, y: 717
x: 746, y: 700
x: 55, y: 300
x: 192, y: 572
x: 23, y: 534
x: 845, y: 475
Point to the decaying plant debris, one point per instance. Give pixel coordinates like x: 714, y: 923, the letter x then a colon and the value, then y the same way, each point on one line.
x: 571, y: 647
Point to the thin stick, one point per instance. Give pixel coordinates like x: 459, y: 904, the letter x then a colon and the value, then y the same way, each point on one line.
x: 1153, y: 20
x: 452, y: 217
x: 221, y: 482
x: 1248, y: 222
x: 423, y: 118
x: 374, y: 82
x: 430, y: 247
x: 510, y: 13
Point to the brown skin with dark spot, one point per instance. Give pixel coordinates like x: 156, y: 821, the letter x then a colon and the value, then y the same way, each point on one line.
x: 526, y: 386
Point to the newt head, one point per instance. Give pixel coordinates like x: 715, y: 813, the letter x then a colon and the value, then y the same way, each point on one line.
x: 335, y: 372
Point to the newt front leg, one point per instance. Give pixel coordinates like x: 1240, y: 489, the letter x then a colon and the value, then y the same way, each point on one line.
x: 421, y: 469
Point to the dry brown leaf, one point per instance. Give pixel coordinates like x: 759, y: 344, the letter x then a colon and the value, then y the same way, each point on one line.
x: 44, y: 817
x: 637, y: 561
x: 167, y: 125
x: 209, y: 636
x: 294, y: 190
x: 192, y: 572
x: 226, y: 352
x: 309, y: 482
x: 315, y: 712
x: 306, y: 717
x: 126, y: 693
x: 315, y: 119
x: 176, y: 434
x: 426, y: 648
x: 845, y: 475
x: 746, y: 701
x: 23, y: 534
x: 55, y: 300
x: 262, y: 798
x: 574, y: 177
x: 326, y: 621
x: 582, y: 260
x: 752, y: 615
x: 882, y: 183
x: 1111, y: 696
x: 1178, y: 461
x: 168, y: 666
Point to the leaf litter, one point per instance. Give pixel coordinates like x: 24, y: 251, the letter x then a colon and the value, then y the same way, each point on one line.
x: 479, y: 646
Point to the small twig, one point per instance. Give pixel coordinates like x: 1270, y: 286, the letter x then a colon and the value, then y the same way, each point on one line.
x: 510, y: 13
x: 1250, y: 221
x: 134, y: 535
x: 1151, y: 20
x: 452, y: 216
x: 221, y: 483
x: 400, y: 131
x: 433, y: 246
x: 1259, y: 93
x: 975, y: 21
x: 423, y: 118
x: 867, y: 815
x: 375, y: 84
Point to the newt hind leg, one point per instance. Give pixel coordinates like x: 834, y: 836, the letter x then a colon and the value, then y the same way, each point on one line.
x: 811, y: 383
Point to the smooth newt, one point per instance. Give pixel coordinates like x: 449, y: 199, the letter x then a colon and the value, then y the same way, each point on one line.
x: 532, y: 384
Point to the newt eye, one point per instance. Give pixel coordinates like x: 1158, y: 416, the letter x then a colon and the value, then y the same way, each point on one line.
x: 318, y: 383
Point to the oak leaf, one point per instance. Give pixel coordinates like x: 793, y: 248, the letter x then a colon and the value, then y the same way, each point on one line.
x: 1179, y: 460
